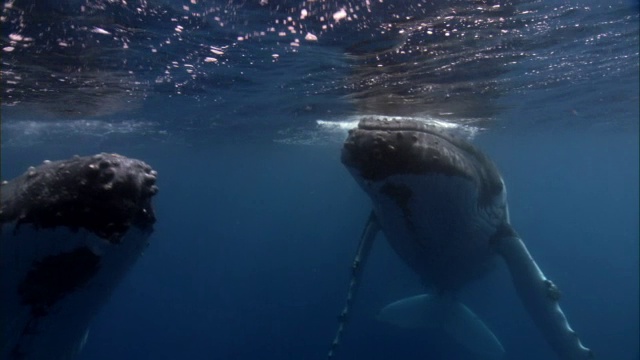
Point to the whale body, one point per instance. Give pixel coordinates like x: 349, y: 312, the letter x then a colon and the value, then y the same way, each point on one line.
x: 70, y: 231
x: 442, y: 206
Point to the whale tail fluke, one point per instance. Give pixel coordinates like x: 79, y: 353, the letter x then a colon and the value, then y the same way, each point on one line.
x: 430, y: 311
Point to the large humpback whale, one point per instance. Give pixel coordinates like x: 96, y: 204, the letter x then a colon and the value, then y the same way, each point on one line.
x: 70, y: 231
x: 442, y: 206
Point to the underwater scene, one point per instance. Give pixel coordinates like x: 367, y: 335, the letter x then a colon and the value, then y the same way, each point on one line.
x: 315, y: 179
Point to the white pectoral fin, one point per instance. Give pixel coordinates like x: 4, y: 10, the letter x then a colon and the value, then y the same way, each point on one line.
x: 427, y: 311
x: 540, y: 297
x: 369, y: 233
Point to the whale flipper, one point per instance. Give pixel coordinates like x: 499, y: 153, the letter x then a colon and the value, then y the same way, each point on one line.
x: 540, y: 297
x: 369, y: 233
x: 430, y: 311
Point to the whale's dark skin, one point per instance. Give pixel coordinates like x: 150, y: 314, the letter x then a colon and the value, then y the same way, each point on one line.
x: 105, y: 194
x: 70, y: 231
x: 442, y: 206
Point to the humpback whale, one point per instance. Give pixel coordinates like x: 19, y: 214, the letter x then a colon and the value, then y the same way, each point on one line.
x: 70, y: 231
x: 442, y: 206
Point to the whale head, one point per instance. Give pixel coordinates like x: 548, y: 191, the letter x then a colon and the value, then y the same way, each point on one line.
x: 379, y: 149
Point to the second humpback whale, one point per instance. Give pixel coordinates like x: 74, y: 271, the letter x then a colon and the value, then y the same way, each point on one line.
x: 442, y: 206
x: 70, y: 231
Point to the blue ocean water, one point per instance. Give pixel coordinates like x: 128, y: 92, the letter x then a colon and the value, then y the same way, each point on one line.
x: 258, y: 221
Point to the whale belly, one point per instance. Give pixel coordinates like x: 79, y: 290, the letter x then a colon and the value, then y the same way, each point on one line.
x: 52, y: 282
x: 434, y: 224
